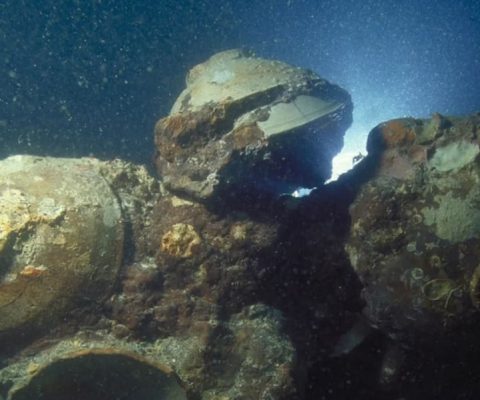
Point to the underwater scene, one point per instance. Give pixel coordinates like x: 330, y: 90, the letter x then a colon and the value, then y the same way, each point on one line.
x: 239, y: 200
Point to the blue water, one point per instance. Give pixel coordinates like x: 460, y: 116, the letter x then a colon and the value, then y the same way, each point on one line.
x: 92, y: 77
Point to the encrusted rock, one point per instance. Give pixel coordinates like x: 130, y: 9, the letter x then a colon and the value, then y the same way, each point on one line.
x: 415, y: 236
x: 246, y: 356
x: 200, y: 265
x: 247, y: 127
x: 254, y: 359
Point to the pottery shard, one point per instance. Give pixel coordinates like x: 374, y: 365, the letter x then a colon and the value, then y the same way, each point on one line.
x: 61, y: 239
x: 249, y: 125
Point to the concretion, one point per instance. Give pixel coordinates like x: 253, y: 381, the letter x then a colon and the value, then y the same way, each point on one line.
x: 246, y: 127
x: 415, y: 235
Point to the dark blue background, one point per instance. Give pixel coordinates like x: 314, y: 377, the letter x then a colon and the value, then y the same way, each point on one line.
x: 92, y: 77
